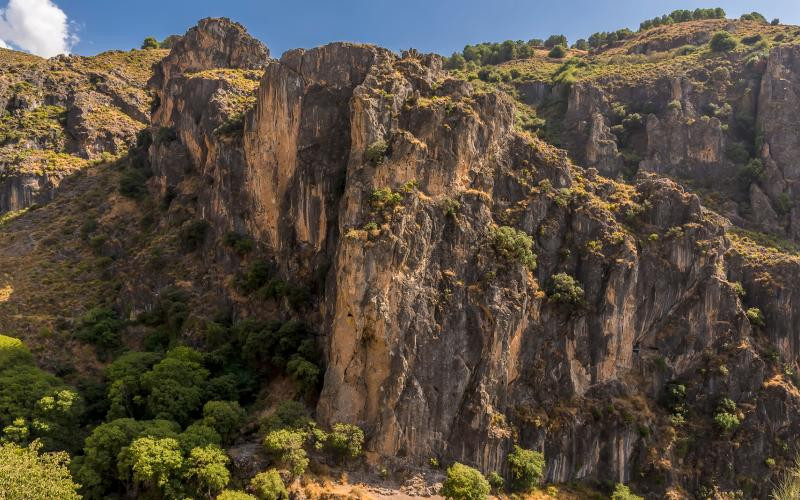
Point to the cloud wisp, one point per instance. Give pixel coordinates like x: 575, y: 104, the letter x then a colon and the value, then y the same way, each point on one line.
x: 37, y: 26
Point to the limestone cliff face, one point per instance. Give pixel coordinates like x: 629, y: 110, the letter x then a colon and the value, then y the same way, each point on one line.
x: 778, y: 108
x: 391, y: 178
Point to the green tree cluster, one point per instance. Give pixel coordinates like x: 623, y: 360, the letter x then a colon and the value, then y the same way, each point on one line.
x: 682, y: 16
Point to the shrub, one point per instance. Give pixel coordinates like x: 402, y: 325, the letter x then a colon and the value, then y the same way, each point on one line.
x: 268, y: 485
x: 384, y: 198
x: 464, y: 483
x: 150, y: 43
x: 514, y: 245
x: 557, y: 52
x: 622, y: 492
x: 193, y: 235
x: 376, y: 152
x: 722, y: 41
x: 240, y: 243
x: 287, y: 447
x: 132, y: 183
x: 750, y: 173
x: 235, y: 495
x: 496, y: 481
x: 737, y: 152
x: 755, y: 316
x: 565, y: 289
x: 754, y: 16
x: 346, y: 440
x: 675, y: 105
x: 752, y: 40
x: 725, y: 416
x: 304, y: 373
x: 526, y: 467
x: 100, y: 326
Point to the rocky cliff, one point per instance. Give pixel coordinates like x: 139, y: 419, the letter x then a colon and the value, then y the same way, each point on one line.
x: 472, y: 286
x: 410, y: 191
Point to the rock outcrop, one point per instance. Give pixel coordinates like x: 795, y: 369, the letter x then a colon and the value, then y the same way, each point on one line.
x: 392, y: 180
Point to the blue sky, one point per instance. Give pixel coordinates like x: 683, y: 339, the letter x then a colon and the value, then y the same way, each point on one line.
x: 429, y: 25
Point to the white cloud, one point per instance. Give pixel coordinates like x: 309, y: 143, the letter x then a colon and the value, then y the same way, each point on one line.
x: 37, y: 26
x: 3, y: 45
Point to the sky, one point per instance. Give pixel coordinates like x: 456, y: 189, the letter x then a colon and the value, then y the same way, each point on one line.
x: 87, y: 27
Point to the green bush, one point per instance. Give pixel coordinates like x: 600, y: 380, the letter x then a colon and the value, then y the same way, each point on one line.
x: 150, y: 43
x: 376, y: 152
x: 565, y: 289
x: 526, y: 468
x: 100, y: 326
x: 198, y: 435
x: 752, y: 39
x: 132, y: 183
x: 496, y: 481
x: 622, y: 492
x: 464, y: 483
x: 722, y: 41
x: 346, y: 440
x: 268, y: 485
x: 193, y: 234
x: 126, y: 394
x: 557, y: 52
x: 240, y: 243
x: 755, y: 316
x: 514, y: 245
x: 753, y: 16
x: 725, y: 416
x: 287, y: 447
x: 235, y: 495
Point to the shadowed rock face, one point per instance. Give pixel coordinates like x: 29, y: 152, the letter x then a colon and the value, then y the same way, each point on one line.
x: 436, y: 341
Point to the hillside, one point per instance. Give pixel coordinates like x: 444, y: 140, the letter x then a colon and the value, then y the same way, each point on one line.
x: 346, y: 270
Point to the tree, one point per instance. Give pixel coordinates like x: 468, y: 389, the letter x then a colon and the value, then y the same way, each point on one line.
x: 207, y: 471
x: 581, y: 44
x: 225, y: 417
x: 154, y: 464
x: 198, y: 435
x: 456, y: 61
x: 33, y: 403
x: 557, y: 52
x: 722, y: 41
x: 287, y: 447
x: 465, y: 483
x: 125, y: 390
x: 268, y: 485
x: 176, y: 385
x: 554, y: 40
x: 97, y: 469
x: 150, y: 43
x: 26, y: 473
x: 526, y: 467
x: 346, y: 440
